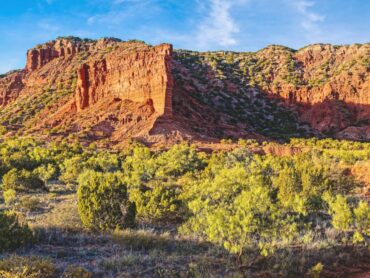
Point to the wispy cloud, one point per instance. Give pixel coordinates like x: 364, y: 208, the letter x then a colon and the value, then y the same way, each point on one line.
x: 117, y: 14
x: 48, y: 26
x: 310, y: 19
x: 113, y: 18
x: 218, y: 27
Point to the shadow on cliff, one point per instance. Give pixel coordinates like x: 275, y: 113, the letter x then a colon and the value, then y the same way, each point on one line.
x: 336, y: 118
x: 230, y: 108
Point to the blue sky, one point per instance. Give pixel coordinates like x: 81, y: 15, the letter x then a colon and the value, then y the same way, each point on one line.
x: 240, y: 25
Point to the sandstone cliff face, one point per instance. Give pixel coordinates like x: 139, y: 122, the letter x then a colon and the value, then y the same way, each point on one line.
x: 136, y: 76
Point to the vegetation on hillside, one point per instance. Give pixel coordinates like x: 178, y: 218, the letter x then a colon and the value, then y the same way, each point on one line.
x: 212, y: 72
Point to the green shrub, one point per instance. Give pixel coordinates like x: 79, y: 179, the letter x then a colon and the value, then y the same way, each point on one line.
x: 178, y: 160
x: 20, y: 160
x: 340, y: 212
x: 22, y: 181
x: 27, y: 267
x: 103, y: 162
x: 362, y: 221
x: 71, y: 169
x: 46, y: 172
x: 9, y: 196
x: 158, y: 201
x: 103, y: 201
x: 13, y: 234
x: 139, y: 166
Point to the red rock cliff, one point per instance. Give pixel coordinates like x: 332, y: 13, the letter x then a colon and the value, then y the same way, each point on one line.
x: 39, y: 56
x: 135, y: 75
x: 10, y: 87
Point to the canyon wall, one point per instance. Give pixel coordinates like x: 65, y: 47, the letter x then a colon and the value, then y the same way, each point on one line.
x: 137, y: 76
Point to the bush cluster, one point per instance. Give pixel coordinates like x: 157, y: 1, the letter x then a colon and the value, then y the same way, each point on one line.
x: 23, y: 181
x: 236, y: 199
x: 103, y: 201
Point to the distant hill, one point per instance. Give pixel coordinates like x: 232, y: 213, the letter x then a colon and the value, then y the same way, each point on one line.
x: 111, y: 91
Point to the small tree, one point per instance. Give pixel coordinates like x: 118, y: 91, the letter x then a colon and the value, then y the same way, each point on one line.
x: 340, y: 212
x: 362, y: 217
x: 362, y: 221
x: 103, y: 201
x: 46, y: 172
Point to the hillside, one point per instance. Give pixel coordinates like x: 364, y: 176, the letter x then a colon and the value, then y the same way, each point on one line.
x: 110, y: 91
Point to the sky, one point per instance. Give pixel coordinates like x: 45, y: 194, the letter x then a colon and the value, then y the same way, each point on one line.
x: 237, y: 25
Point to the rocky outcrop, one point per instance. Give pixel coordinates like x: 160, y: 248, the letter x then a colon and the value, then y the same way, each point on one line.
x: 10, y: 87
x: 64, y: 47
x: 43, y: 54
x: 136, y: 76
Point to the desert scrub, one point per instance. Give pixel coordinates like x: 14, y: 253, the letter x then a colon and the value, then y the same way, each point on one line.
x: 9, y: 196
x: 13, y: 234
x: 158, y: 201
x: 27, y: 267
x: 22, y: 181
x: 103, y: 201
x: 29, y: 204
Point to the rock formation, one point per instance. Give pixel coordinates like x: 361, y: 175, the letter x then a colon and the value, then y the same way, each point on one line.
x: 136, y: 76
x: 10, y: 87
x: 112, y: 91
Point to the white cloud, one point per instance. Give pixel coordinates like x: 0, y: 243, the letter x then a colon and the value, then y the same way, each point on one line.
x: 117, y: 14
x: 218, y: 27
x: 310, y: 20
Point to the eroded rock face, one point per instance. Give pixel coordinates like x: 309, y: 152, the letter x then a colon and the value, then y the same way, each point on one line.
x: 10, y: 87
x: 329, y: 116
x: 137, y: 76
x: 39, y: 56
